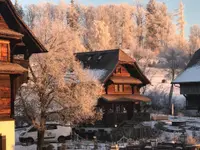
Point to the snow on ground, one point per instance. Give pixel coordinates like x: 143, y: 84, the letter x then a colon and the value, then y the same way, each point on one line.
x: 19, y: 147
x: 157, y: 76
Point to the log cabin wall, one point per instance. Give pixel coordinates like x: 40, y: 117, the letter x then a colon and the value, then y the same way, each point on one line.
x: 190, y: 88
x: 112, y: 88
x: 2, y: 22
x: 119, y: 89
x: 121, y: 71
x: 19, y: 80
x: 5, y: 96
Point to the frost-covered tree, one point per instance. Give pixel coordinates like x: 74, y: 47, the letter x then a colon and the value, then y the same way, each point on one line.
x: 73, y: 15
x: 151, y: 39
x: 119, y: 21
x: 174, y: 62
x: 140, y: 22
x: 99, y: 32
x: 194, y: 39
x: 157, y: 25
x: 181, y: 24
x: 19, y: 9
x: 57, y: 85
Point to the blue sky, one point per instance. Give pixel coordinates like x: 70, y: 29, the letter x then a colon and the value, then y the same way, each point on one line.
x: 192, y: 12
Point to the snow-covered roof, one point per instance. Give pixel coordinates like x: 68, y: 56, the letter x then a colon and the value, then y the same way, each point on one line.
x: 97, y: 74
x: 190, y: 75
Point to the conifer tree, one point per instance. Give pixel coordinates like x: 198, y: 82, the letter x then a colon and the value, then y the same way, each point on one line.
x: 19, y: 9
x: 181, y: 24
x: 73, y: 16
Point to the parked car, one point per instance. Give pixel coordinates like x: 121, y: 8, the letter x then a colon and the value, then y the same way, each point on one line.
x: 54, y: 133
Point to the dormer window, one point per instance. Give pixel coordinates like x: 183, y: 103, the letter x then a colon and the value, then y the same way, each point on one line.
x: 4, y: 51
x: 89, y: 58
x: 100, y: 57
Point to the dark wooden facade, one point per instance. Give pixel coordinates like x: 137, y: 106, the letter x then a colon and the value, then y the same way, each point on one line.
x: 17, y: 43
x: 122, y: 80
x: 189, y: 81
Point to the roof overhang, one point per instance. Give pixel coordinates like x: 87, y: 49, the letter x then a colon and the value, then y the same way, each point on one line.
x: 125, y: 98
x: 190, y: 75
x: 17, y: 25
x: 10, y: 34
x: 125, y: 80
x: 11, y: 68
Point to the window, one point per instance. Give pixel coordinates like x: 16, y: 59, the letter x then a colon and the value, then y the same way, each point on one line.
x: 119, y: 88
x: 4, y: 51
x: 100, y: 57
x: 118, y: 110
x: 116, y: 88
x: 89, y: 58
x: 51, y: 127
x: 33, y: 129
x: 118, y: 70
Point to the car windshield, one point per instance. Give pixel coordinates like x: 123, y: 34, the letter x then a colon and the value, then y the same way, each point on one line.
x: 29, y: 128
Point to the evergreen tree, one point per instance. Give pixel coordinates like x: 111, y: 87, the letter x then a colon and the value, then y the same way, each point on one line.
x: 181, y: 24
x: 140, y: 22
x: 73, y: 16
x: 194, y: 39
x: 159, y: 26
x: 153, y: 25
x: 19, y: 9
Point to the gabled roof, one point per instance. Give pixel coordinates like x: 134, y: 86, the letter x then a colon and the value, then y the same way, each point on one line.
x: 108, y: 60
x: 17, y: 27
x: 195, y: 59
x: 192, y: 72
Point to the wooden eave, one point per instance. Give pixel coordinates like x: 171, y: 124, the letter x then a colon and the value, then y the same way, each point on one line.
x: 125, y: 80
x: 10, y: 34
x: 125, y: 98
x: 16, y: 23
x: 145, y: 80
x: 11, y: 68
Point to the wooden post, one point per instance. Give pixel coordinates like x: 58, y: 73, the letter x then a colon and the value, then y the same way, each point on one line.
x: 172, y: 109
x: 2, y: 142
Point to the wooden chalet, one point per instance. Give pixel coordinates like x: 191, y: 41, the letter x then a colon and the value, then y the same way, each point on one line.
x: 17, y: 43
x: 189, y: 81
x: 122, y: 80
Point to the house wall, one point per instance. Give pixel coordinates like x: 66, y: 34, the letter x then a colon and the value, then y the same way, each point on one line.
x: 190, y: 88
x: 7, y: 129
x: 5, y: 96
x: 127, y: 89
x: 123, y: 71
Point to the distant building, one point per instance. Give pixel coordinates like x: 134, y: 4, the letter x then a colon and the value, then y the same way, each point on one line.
x: 17, y: 44
x: 122, y: 80
x: 189, y: 81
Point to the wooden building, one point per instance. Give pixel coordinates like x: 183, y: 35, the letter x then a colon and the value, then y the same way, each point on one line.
x: 122, y: 80
x: 189, y: 81
x: 17, y: 43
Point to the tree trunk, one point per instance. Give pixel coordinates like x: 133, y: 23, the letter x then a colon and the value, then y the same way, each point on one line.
x: 40, y: 142
x: 170, y: 97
